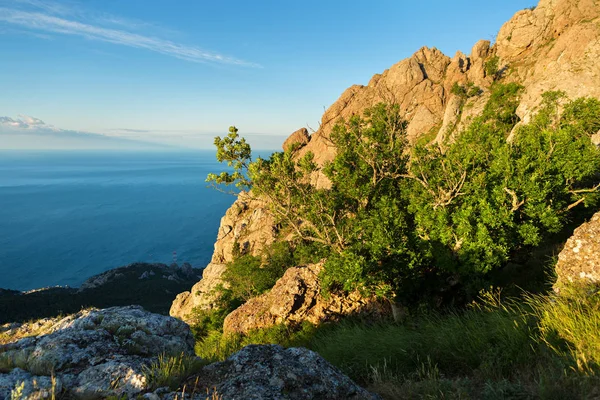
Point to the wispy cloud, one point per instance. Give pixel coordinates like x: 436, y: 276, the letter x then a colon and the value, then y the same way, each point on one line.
x: 56, y: 18
x: 24, y: 122
x: 26, y: 132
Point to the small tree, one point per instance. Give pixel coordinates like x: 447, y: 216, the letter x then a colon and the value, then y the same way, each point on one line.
x: 236, y: 152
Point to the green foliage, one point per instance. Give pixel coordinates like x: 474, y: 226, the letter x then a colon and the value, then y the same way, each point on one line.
x: 234, y: 151
x: 545, y: 347
x: 569, y: 324
x: 582, y: 115
x: 492, y: 67
x: 202, y: 322
x: 467, y: 91
x: 482, y: 199
x: 246, y: 278
x: 493, y: 342
x: 218, y: 346
x: 411, y: 226
x: 171, y: 371
x: 249, y: 276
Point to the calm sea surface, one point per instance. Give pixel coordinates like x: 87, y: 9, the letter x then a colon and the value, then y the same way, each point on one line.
x: 65, y: 216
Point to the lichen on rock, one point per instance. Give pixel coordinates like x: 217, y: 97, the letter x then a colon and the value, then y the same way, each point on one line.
x: 272, y: 372
x: 92, y: 354
x: 579, y: 261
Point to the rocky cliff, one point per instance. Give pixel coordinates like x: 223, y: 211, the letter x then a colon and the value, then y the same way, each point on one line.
x: 554, y: 46
x: 248, y: 226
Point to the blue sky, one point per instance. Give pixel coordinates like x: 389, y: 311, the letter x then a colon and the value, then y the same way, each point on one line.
x: 181, y: 72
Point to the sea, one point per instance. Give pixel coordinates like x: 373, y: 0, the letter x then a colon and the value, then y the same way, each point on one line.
x: 69, y: 215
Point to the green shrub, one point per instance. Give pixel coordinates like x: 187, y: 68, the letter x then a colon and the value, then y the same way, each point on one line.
x: 437, y: 223
x: 492, y: 66
x: 467, y: 91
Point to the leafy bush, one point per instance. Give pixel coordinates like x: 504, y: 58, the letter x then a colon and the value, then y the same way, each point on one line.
x: 492, y: 67
x: 249, y: 276
x: 408, y: 228
x: 467, y: 91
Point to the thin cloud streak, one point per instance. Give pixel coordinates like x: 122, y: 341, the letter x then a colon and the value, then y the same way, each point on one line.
x: 48, y: 23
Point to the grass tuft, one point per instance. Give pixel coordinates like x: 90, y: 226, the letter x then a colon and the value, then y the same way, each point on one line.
x: 171, y: 371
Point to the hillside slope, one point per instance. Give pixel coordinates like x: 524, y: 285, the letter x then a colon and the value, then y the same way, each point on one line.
x: 554, y: 46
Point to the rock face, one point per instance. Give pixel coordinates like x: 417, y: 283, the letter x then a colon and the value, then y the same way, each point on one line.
x: 579, y: 261
x: 272, y: 372
x: 296, y: 297
x: 248, y: 226
x: 555, y: 46
x: 92, y: 354
x: 298, y: 139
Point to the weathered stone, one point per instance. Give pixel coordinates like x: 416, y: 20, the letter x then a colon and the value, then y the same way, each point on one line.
x: 579, y: 261
x: 97, y: 353
x: 296, y: 297
x: 20, y: 384
x: 297, y: 139
x: 272, y: 372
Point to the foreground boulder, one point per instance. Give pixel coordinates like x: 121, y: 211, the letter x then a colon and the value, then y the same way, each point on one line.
x: 579, y: 261
x: 88, y: 355
x: 272, y: 372
x: 296, y: 297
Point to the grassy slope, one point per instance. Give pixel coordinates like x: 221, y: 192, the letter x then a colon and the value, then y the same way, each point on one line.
x: 538, y: 347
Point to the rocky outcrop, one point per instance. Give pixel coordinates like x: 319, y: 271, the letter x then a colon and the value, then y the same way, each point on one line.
x: 98, y: 354
x: 296, y: 297
x: 552, y: 47
x: 555, y: 46
x: 296, y: 140
x: 272, y: 372
x: 91, y: 354
x: 579, y: 261
x: 152, y: 286
x: 247, y: 228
